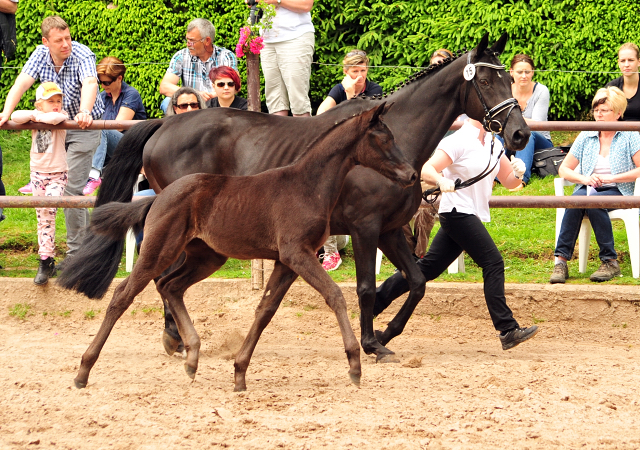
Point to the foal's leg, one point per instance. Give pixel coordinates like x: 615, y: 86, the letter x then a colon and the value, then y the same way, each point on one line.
x: 279, y: 283
x: 307, y: 266
x: 201, y: 261
x: 364, y: 251
x: 394, y: 246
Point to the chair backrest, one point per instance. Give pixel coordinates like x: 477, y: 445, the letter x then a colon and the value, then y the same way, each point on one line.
x: 560, y: 183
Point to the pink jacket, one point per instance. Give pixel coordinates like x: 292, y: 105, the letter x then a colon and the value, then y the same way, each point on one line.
x: 48, y: 152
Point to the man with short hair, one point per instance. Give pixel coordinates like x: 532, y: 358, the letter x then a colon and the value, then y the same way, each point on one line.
x: 72, y: 66
x: 191, y: 65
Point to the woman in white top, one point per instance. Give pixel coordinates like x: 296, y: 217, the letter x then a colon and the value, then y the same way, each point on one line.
x: 600, y: 163
x: 464, y: 155
x: 533, y: 98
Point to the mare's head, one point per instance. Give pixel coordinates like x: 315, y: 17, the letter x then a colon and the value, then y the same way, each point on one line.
x: 487, y: 95
x: 377, y: 148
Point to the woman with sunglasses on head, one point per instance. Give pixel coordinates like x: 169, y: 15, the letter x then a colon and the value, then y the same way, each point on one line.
x: 121, y: 102
x: 628, y: 55
x: 440, y: 55
x: 355, y: 66
x: 226, y: 83
x: 184, y: 100
x: 533, y: 99
x: 599, y: 163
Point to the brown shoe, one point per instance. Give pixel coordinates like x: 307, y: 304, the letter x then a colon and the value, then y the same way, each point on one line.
x: 560, y: 273
x: 518, y: 188
x: 608, y: 269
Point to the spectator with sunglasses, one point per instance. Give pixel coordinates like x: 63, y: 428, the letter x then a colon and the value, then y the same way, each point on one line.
x: 440, y: 55
x: 226, y: 83
x: 355, y: 66
x: 121, y: 102
x: 184, y: 100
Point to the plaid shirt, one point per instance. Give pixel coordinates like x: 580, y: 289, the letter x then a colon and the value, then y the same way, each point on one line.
x: 194, y: 72
x: 80, y: 64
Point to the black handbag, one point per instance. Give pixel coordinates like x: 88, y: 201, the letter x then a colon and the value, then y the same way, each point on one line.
x: 8, y: 35
x: 546, y: 161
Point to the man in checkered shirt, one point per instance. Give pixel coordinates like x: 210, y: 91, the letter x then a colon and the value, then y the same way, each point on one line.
x: 192, y: 65
x: 72, y: 66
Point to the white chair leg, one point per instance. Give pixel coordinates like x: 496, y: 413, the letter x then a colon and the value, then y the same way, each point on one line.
x: 130, y: 245
x: 457, y: 266
x: 583, y: 248
x: 378, y: 261
x: 633, y: 236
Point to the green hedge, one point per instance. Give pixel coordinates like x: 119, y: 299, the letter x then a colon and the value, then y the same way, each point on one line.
x: 559, y: 35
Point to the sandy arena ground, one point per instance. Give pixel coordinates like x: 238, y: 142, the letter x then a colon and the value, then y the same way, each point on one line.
x: 575, y: 385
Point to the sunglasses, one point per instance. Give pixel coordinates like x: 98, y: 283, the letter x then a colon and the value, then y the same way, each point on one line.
x: 228, y: 83
x: 105, y: 83
x: 356, y: 52
x: 184, y: 106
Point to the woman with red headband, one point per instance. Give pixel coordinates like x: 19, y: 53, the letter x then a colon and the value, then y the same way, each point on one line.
x: 226, y: 83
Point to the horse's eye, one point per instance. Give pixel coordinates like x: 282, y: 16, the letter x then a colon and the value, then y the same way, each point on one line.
x: 484, y: 82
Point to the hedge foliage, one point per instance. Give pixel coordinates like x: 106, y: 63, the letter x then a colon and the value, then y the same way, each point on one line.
x: 560, y: 35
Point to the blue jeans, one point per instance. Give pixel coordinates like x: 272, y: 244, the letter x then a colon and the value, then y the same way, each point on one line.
x: 600, y: 223
x: 536, y: 141
x: 145, y: 193
x: 165, y: 104
x: 108, y: 143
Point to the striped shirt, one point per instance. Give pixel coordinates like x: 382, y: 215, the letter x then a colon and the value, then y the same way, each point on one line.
x: 194, y: 72
x: 624, y: 145
x: 80, y: 64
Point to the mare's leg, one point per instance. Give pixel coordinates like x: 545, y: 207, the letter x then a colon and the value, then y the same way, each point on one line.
x: 201, y: 261
x: 279, y: 283
x: 394, y: 246
x: 364, y: 251
x: 304, y: 262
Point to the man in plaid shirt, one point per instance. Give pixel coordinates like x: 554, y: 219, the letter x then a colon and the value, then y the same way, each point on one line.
x: 192, y: 65
x: 72, y: 66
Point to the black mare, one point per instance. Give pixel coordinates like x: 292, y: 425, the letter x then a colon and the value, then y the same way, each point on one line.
x: 371, y: 208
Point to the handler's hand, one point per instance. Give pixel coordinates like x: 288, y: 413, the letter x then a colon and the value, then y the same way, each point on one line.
x: 518, y: 167
x: 83, y: 119
x: 446, y: 185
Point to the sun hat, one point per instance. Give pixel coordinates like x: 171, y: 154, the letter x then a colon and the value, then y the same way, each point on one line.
x: 47, y: 90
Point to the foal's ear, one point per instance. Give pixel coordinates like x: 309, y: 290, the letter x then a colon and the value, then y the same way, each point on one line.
x: 499, y: 46
x: 482, y: 46
x: 377, y: 112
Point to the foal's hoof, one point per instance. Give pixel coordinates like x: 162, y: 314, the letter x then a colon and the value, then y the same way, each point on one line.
x: 170, y: 343
x: 387, y: 358
x: 355, y: 379
x: 380, y: 337
x: 190, y: 371
x: 80, y: 384
x: 242, y: 388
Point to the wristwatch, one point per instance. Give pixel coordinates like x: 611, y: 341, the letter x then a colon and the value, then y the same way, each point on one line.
x: 279, y: 1
x: 85, y: 111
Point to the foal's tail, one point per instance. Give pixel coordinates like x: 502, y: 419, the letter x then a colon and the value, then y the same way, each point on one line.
x: 92, y: 269
x: 121, y: 173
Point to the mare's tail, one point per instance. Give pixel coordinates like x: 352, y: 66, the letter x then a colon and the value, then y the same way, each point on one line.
x: 121, y: 173
x: 92, y: 269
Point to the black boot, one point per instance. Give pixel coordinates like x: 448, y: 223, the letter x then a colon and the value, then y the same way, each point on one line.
x: 46, y: 269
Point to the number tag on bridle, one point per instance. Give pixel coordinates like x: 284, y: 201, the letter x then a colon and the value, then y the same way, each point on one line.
x: 469, y: 72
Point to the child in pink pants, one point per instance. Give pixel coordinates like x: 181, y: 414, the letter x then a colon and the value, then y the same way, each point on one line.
x: 48, y: 169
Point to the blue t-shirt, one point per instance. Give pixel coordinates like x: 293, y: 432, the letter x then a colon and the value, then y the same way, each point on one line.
x: 339, y: 95
x: 129, y: 97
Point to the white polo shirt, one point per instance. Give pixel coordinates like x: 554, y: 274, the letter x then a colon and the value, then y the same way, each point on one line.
x: 469, y: 158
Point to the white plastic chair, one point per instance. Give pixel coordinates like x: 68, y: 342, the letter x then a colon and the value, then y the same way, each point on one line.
x: 130, y: 240
x: 631, y: 223
x: 458, y: 265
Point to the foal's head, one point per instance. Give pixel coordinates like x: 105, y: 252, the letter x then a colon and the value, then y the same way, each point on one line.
x: 378, y: 150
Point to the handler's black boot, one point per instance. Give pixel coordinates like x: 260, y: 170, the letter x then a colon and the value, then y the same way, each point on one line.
x: 517, y: 336
x: 46, y: 269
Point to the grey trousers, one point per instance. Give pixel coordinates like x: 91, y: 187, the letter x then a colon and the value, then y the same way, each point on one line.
x: 81, y: 146
x: 335, y: 243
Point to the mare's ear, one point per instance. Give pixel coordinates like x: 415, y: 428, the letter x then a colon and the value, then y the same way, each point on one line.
x: 377, y: 111
x: 499, y: 46
x: 482, y: 46
x: 387, y: 108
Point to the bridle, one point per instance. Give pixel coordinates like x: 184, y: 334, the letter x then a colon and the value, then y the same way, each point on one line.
x: 488, y: 122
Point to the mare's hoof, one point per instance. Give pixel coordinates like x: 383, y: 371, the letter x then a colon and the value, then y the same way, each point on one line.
x: 169, y: 343
x: 355, y: 379
x: 387, y: 358
x: 80, y: 384
x: 190, y: 371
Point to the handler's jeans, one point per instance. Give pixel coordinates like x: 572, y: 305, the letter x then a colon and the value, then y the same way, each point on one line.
x: 600, y: 223
x: 458, y: 232
x: 80, y: 147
